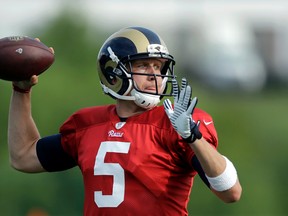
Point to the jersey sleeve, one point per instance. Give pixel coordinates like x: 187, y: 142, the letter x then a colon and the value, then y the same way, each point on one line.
x: 68, y: 137
x: 207, y: 127
x: 59, y: 152
x: 51, y: 154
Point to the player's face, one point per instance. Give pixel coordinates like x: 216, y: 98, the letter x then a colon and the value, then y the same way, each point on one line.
x: 147, y: 79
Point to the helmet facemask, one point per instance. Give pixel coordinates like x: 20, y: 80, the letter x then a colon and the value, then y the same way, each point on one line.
x: 146, y: 98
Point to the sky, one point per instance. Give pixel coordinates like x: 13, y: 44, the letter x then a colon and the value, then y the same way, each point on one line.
x: 18, y: 15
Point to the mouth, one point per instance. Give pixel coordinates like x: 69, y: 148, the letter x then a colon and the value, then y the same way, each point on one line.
x: 150, y: 89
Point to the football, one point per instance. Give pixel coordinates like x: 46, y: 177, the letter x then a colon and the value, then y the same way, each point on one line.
x: 22, y: 57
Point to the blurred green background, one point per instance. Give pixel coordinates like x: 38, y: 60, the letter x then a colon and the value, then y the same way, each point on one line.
x: 252, y: 129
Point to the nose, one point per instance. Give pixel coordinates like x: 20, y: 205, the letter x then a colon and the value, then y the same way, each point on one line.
x: 151, y: 71
x: 151, y: 77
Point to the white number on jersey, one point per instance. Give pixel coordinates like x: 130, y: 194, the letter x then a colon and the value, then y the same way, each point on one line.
x: 112, y: 169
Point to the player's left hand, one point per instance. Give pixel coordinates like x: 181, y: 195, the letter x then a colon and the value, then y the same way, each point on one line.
x: 181, y: 115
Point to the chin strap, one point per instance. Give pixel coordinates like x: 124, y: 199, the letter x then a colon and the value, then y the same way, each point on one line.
x: 143, y: 100
x: 106, y: 90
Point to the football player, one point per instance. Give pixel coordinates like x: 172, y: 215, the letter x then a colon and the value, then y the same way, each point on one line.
x: 136, y: 157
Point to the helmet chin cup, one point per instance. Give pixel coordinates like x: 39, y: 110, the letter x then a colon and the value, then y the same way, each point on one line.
x: 146, y: 101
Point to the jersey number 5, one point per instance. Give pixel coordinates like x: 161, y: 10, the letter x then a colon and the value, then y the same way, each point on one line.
x: 112, y: 169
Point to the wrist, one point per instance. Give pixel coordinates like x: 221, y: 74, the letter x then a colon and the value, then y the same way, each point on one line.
x: 195, y: 133
x: 193, y: 137
x: 17, y: 89
x: 225, y: 180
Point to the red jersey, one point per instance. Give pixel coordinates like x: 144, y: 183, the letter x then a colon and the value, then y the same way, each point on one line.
x: 137, y: 167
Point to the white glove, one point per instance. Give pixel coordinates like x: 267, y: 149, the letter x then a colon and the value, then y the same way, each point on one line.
x: 181, y: 116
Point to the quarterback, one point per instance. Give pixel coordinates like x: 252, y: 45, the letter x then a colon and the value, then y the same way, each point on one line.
x: 136, y: 157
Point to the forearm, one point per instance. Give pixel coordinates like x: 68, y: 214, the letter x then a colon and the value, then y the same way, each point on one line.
x: 22, y: 132
x: 221, y: 171
x: 212, y: 161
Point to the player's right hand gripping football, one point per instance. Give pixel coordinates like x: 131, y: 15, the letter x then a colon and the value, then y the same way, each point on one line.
x: 25, y: 85
x: 181, y: 115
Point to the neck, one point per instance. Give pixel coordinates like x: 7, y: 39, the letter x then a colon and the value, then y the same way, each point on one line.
x: 127, y: 109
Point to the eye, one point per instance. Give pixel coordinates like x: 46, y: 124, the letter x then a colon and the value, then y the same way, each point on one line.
x: 141, y: 66
x: 157, y: 67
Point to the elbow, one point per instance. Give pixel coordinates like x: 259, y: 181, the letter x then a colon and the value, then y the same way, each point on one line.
x: 233, y: 197
x: 24, y: 167
x: 230, y: 196
x: 20, y: 162
x: 24, y: 159
x: 26, y: 164
x: 235, y: 193
x: 15, y: 164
